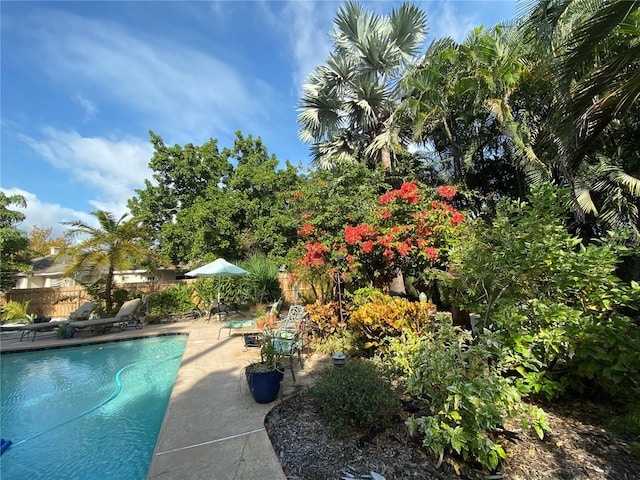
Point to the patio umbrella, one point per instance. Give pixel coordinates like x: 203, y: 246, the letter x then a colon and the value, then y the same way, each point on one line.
x: 218, y: 268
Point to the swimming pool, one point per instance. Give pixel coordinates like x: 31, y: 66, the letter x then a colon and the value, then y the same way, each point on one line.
x: 86, y: 412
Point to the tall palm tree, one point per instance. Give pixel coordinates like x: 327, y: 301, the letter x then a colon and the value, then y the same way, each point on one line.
x: 115, y: 244
x: 459, y: 104
x: 594, y: 60
x: 347, y: 101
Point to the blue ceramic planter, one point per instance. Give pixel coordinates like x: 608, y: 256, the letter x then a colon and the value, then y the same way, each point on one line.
x: 264, y: 386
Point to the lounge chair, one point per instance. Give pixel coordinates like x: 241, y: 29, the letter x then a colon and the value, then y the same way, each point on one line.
x: 125, y: 316
x: 250, y: 324
x: 83, y: 312
x: 47, y: 326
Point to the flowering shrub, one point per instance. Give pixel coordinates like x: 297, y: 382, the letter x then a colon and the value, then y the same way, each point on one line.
x: 407, y: 230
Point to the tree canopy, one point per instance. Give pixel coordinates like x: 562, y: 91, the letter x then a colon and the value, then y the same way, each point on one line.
x: 14, y: 245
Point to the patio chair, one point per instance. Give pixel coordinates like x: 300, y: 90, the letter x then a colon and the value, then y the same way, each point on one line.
x: 295, y: 316
x: 32, y: 328
x: 288, y: 341
x: 83, y: 312
x: 125, y: 316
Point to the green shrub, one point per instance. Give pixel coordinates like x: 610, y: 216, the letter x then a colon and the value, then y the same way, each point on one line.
x: 566, y: 320
x: 175, y: 299
x: 16, y: 312
x: 343, y: 341
x: 462, y: 382
x: 354, y: 396
x: 263, y: 285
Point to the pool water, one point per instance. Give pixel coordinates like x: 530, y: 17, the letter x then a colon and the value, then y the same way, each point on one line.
x: 88, y: 412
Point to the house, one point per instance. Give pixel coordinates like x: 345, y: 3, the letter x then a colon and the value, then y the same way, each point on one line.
x: 48, y: 272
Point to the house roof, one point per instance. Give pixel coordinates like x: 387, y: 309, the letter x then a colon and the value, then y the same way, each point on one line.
x: 54, y: 265
x: 47, y: 266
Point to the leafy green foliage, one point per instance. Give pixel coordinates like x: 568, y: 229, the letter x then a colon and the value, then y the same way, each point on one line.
x: 175, y: 299
x: 13, y: 243
x: 263, y: 285
x: 558, y: 308
x: 116, y: 244
x: 467, y: 394
x: 354, y: 396
x: 16, y: 312
x: 203, y: 205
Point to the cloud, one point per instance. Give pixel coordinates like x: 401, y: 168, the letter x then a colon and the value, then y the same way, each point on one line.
x: 112, y: 168
x: 305, y: 26
x: 176, y: 87
x: 45, y: 215
x: 309, y: 30
x: 453, y: 19
x: 90, y: 108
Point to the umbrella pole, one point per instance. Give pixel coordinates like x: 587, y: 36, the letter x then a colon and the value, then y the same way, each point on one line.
x: 218, y: 307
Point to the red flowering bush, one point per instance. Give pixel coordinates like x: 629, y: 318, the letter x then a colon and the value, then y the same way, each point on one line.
x: 407, y: 230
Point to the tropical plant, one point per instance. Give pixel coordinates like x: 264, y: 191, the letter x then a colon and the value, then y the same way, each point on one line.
x: 114, y: 244
x: 559, y: 309
x: 589, y: 55
x: 458, y: 103
x: 15, y: 312
x: 468, y: 395
x: 347, y: 101
x: 384, y: 317
x: 263, y: 284
x: 408, y: 230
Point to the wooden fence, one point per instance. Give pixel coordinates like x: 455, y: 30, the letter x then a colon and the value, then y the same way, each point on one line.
x: 59, y: 302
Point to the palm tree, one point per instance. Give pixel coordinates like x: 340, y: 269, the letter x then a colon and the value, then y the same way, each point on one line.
x: 346, y: 102
x: 459, y: 105
x: 594, y: 60
x: 115, y: 244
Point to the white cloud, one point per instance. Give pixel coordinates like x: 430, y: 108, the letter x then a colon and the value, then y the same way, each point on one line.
x: 305, y: 26
x: 45, y: 215
x: 308, y: 27
x: 90, y: 108
x: 112, y: 168
x: 177, y: 88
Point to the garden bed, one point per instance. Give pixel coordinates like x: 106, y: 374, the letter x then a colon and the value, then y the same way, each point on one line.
x: 580, y: 446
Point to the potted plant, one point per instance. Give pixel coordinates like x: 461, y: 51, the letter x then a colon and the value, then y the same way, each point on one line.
x: 65, y: 331
x: 264, y: 377
x: 260, y: 319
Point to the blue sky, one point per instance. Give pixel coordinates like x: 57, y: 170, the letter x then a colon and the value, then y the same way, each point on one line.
x: 82, y: 83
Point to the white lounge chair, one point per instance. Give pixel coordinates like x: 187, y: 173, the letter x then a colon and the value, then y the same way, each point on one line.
x: 82, y: 312
x: 125, y: 315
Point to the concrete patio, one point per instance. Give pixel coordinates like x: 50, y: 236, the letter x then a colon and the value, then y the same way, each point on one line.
x: 213, y: 428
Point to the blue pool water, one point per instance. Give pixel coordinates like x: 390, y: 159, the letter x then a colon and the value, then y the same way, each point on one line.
x: 89, y: 412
